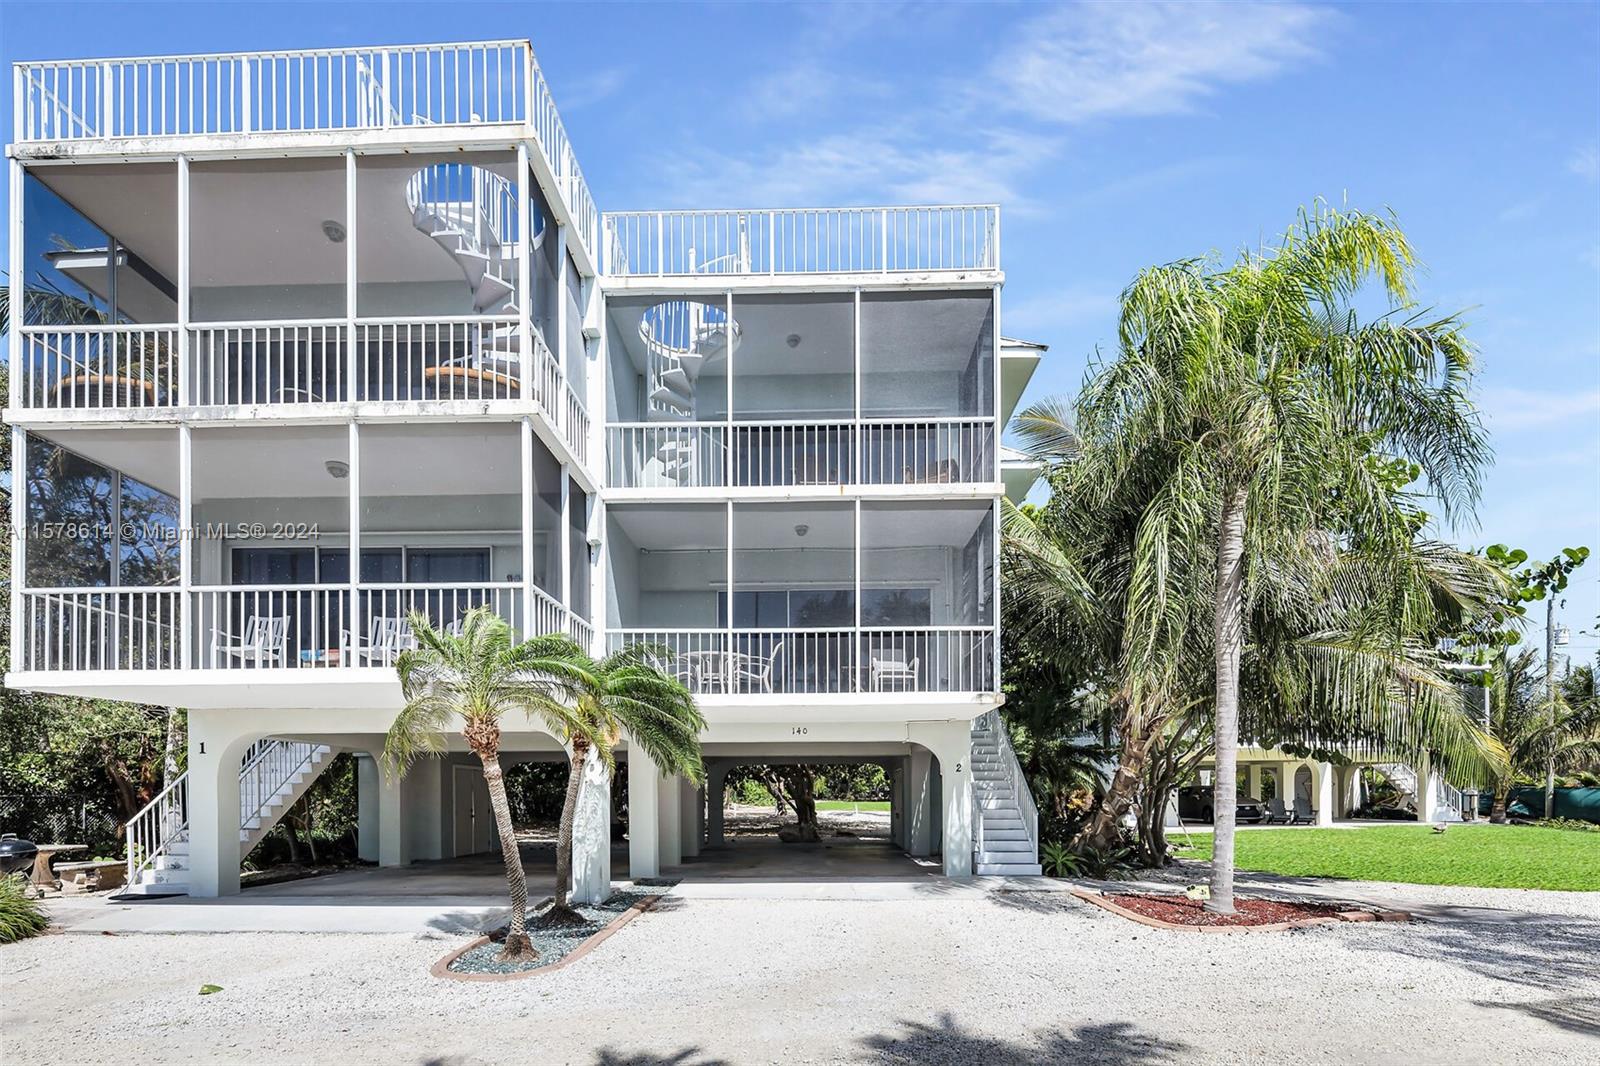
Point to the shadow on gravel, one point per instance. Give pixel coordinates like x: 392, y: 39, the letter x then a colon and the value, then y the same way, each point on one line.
x: 1031, y: 902
x: 687, y: 1057
x: 1538, y: 950
x: 1575, y: 1014
x: 1105, y: 1044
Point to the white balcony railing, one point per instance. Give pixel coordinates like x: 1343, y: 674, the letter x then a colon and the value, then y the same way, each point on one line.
x: 270, y: 362
x: 460, y: 358
x: 747, y: 454
x: 99, y: 629
x: 317, y: 91
x: 823, y: 661
x: 575, y: 424
x: 846, y: 240
x: 261, y: 627
x: 96, y: 366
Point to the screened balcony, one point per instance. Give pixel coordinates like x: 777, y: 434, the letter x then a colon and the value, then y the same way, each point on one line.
x: 783, y: 391
x: 799, y: 604
x: 446, y: 516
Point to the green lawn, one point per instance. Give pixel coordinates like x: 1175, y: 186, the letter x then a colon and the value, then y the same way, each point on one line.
x: 851, y: 805
x: 1487, y: 856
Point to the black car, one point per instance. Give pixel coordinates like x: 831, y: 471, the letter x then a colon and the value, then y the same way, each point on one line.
x: 1195, y: 802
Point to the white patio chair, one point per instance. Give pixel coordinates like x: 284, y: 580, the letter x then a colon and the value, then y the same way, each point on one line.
x: 894, y: 674
x: 753, y: 672
x: 265, y: 641
x: 386, y: 639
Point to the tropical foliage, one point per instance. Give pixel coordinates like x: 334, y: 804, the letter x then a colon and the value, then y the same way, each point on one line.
x: 468, y: 683
x: 1235, y: 538
x: 20, y: 916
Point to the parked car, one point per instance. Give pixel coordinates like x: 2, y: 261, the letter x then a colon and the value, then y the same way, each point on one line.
x: 1195, y: 802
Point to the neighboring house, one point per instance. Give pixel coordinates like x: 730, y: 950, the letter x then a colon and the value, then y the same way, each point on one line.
x: 318, y: 339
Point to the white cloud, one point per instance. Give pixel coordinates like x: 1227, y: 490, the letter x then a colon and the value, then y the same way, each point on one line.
x: 592, y: 88
x: 1090, y: 61
x: 1585, y: 163
x: 1073, y: 305
x: 1509, y: 409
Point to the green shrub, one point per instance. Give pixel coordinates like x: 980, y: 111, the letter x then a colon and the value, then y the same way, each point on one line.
x: 1574, y: 824
x: 20, y: 917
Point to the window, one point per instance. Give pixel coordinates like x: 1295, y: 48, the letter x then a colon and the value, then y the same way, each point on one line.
x: 381, y: 566
x: 274, y: 566
x: 896, y: 607
x: 461, y: 565
x: 826, y: 608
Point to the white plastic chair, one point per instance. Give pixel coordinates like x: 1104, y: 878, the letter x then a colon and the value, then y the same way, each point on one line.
x: 895, y: 675
x: 752, y: 672
x: 386, y: 639
x: 265, y: 641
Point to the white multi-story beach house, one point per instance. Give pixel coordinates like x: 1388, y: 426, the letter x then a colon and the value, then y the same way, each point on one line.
x: 306, y: 341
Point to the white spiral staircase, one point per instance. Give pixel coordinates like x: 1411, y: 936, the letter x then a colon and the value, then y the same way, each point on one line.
x: 471, y: 212
x: 273, y: 775
x: 680, y: 338
x: 1005, y: 838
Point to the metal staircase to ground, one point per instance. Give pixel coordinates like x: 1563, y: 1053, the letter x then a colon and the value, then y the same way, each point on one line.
x: 1005, y: 820
x: 273, y: 775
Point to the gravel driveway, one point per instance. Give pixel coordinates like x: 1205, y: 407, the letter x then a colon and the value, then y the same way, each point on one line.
x: 991, y: 979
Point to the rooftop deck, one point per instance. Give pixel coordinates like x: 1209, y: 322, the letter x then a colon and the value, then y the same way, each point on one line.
x: 124, y: 106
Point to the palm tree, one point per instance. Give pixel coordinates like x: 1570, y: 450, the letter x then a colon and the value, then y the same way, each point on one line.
x: 1243, y: 436
x: 627, y: 695
x: 1268, y: 402
x: 470, y: 682
x: 1535, y: 734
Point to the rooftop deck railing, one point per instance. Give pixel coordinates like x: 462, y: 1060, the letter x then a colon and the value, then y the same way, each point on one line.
x: 318, y: 91
x: 841, y: 240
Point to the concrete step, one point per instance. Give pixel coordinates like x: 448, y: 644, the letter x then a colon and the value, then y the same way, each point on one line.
x: 1006, y: 846
x: 1007, y: 869
x: 171, y: 888
x: 1008, y: 833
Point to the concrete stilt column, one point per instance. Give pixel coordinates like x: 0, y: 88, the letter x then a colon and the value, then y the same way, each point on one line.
x: 1253, y: 780
x: 716, y: 796
x: 591, y: 833
x: 215, y: 751
x: 644, y: 816
x: 1427, y: 798
x: 394, y: 842
x: 367, y: 775
x: 1324, y: 796
x: 896, y: 769
x: 670, y: 820
x: 425, y: 808
x: 690, y: 808
x: 1352, y: 790
x: 919, y: 802
x: 951, y: 743
x: 1286, y: 772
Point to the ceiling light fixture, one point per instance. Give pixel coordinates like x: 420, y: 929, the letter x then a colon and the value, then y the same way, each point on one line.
x: 338, y: 469
x: 801, y: 530
x: 792, y: 340
x: 334, y: 231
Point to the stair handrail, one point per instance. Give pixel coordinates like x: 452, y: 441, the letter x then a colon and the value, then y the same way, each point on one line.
x: 491, y: 197
x: 148, y: 833
x: 1012, y: 768
x: 262, y: 778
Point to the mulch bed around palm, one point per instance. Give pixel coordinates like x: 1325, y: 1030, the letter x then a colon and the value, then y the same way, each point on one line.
x: 1181, y: 910
x: 555, y: 942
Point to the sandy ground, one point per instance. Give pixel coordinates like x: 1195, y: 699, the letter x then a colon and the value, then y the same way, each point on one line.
x: 991, y: 978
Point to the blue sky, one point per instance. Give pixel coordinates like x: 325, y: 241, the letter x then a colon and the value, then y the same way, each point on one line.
x: 1115, y: 136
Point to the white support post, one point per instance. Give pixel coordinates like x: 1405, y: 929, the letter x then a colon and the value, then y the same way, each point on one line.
x: 591, y: 833
x: 394, y: 844
x: 353, y: 611
x: 919, y: 818
x: 859, y: 434
x: 644, y: 815
x: 216, y: 748
x: 368, y: 780
x: 524, y: 275
x: 716, y: 797
x: 691, y: 808
x: 1286, y: 774
x: 352, y: 351
x: 16, y: 178
x: 187, y: 639
x: 1253, y: 780
x: 1324, y: 800
x: 734, y: 449
x: 994, y: 592
x: 19, y: 540
x: 561, y: 315
x: 1427, y: 793
x: 186, y: 372
x: 951, y: 743
x: 670, y: 818
x: 526, y: 501
x: 565, y: 583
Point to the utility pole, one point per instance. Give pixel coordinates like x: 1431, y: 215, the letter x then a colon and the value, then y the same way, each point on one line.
x: 1550, y: 703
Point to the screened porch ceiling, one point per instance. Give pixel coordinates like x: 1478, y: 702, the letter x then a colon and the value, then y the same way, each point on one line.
x: 666, y: 528
x: 445, y: 459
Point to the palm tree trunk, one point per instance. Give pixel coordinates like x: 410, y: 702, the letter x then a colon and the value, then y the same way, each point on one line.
x: 569, y: 816
x: 518, y: 948
x: 1104, y: 829
x: 1497, y: 810
x: 1229, y: 642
